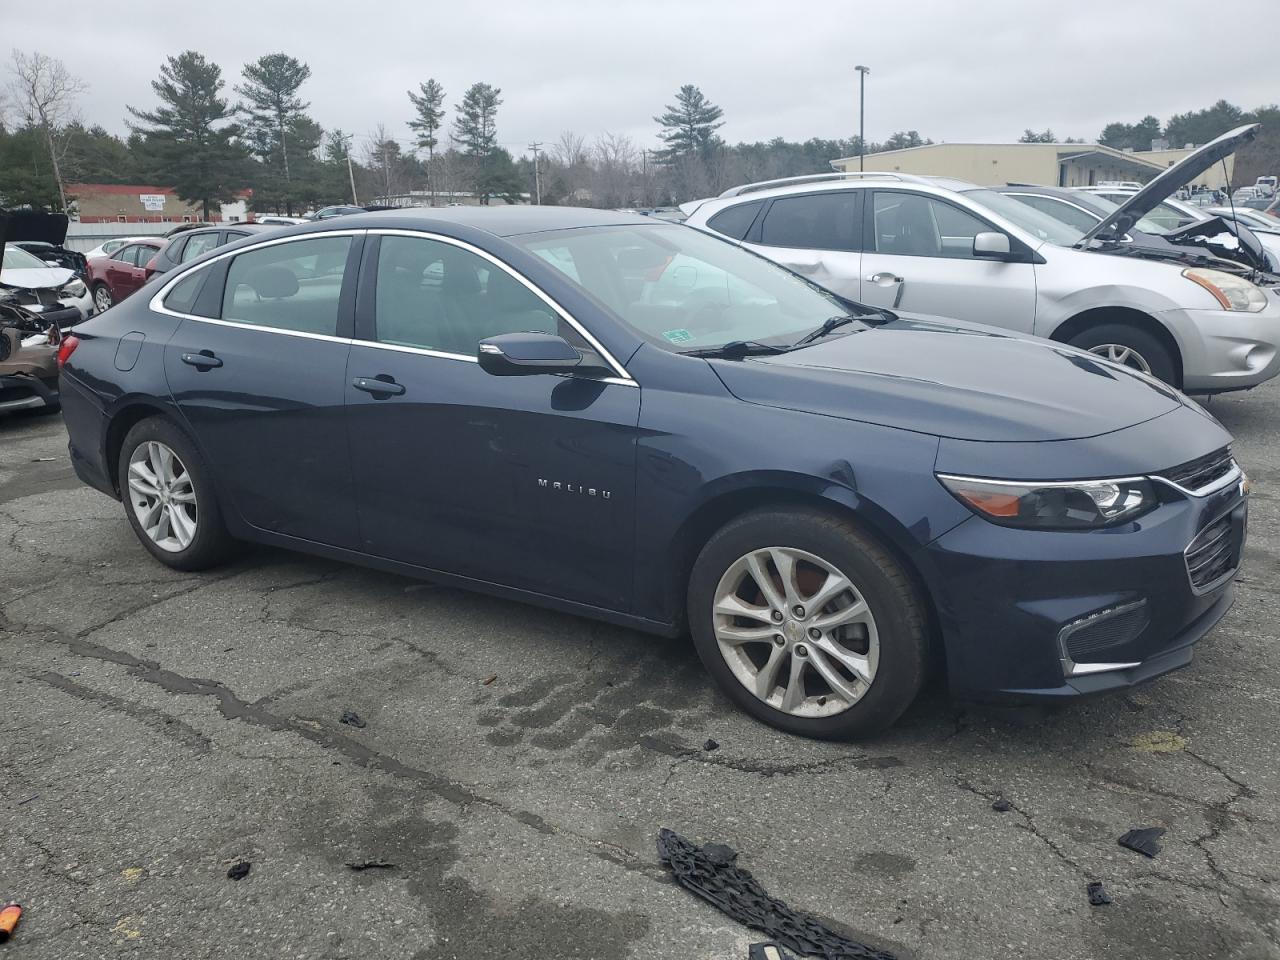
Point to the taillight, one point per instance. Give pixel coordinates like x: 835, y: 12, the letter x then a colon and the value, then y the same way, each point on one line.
x: 67, y: 348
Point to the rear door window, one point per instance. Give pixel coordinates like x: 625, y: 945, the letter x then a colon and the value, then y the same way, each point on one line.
x: 127, y: 254
x: 288, y: 286
x: 813, y: 221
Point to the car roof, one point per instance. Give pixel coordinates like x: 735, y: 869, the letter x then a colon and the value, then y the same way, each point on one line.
x: 504, y: 221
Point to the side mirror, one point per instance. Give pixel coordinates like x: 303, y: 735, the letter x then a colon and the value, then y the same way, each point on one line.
x: 522, y: 354
x: 991, y: 245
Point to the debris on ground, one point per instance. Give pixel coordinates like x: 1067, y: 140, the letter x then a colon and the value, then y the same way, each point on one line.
x: 34, y: 796
x: 767, y: 951
x: 363, y: 865
x: 1001, y: 805
x: 1098, y: 896
x: 1143, y: 840
x: 710, y: 745
x: 1158, y: 741
x: 737, y: 894
x: 239, y: 870
x: 488, y: 680
x: 44, y: 459
x: 351, y: 719
x: 9, y: 917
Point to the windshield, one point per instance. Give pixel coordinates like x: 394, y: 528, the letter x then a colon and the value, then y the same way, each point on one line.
x: 685, y: 290
x: 15, y: 258
x: 1035, y: 222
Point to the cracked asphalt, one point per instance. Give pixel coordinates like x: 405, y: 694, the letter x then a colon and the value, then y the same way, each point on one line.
x: 158, y: 727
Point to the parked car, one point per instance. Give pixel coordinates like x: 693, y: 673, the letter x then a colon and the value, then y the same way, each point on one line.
x: 277, y: 219
x: 338, y: 210
x: 55, y: 293
x: 114, y: 277
x: 108, y: 247
x: 193, y: 243
x: 578, y: 408
x: 44, y: 235
x: 29, y: 344
x: 1266, y: 186
x: 952, y: 249
x: 178, y: 228
x: 1201, y: 245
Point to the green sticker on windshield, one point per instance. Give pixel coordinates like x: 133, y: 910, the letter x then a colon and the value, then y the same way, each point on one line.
x: 677, y: 336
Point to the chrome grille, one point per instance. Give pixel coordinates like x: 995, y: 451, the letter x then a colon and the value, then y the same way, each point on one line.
x: 1195, y: 475
x: 1211, y: 556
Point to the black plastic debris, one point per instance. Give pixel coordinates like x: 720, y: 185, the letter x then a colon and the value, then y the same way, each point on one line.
x: 239, y: 870
x: 767, y: 951
x: 1001, y: 805
x: 733, y: 891
x: 1143, y: 840
x: 711, y: 745
x: 351, y: 719
x: 363, y: 865
x: 1098, y: 896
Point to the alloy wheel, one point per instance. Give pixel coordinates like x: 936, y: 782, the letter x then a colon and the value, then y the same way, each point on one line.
x: 796, y: 632
x: 1125, y: 356
x: 162, y: 496
x: 101, y: 298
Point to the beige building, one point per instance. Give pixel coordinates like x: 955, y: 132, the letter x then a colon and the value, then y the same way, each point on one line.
x: 1213, y: 178
x: 991, y: 164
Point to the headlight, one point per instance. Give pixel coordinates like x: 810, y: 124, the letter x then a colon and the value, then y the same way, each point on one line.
x: 73, y: 288
x: 1053, y: 505
x: 1233, y: 293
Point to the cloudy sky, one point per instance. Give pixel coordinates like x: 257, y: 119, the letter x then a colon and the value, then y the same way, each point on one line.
x: 978, y: 70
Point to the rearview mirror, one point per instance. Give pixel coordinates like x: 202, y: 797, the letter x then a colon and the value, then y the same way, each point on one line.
x: 522, y: 354
x: 991, y: 245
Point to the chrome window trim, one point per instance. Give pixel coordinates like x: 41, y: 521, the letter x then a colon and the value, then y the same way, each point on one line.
x: 618, y: 368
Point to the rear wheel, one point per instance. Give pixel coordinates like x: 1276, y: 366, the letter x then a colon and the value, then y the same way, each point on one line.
x: 102, y: 298
x: 1131, y: 347
x: 169, y: 499
x: 808, y: 624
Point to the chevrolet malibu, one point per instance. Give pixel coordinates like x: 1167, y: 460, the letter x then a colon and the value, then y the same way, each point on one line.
x: 635, y: 421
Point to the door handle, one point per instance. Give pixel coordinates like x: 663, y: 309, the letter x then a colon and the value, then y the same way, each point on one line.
x: 884, y: 278
x: 381, y: 384
x: 204, y: 360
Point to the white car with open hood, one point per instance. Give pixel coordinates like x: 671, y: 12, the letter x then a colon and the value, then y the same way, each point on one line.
x: 930, y: 245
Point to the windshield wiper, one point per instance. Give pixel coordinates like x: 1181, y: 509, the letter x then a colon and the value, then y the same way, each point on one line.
x: 828, y: 326
x: 736, y: 350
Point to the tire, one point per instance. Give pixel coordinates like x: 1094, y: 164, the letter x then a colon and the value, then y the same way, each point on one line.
x: 892, y: 647
x: 191, y: 493
x: 102, y: 298
x: 1151, y: 352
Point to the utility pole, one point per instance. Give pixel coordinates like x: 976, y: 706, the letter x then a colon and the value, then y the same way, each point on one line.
x: 862, y: 114
x: 537, y: 181
x: 351, y: 174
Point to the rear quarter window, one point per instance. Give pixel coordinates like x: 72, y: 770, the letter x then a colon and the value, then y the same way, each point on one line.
x: 182, y: 297
x: 736, y: 220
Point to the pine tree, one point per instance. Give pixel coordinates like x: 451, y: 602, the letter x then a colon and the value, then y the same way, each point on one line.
x: 429, y: 104
x: 275, y: 111
x: 187, y: 140
x: 475, y: 127
x: 689, y: 125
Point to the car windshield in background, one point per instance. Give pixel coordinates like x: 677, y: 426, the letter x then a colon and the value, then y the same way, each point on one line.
x: 684, y: 290
x: 1033, y: 221
x: 15, y: 258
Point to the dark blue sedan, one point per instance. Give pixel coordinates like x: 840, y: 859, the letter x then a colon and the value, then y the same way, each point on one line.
x: 631, y: 420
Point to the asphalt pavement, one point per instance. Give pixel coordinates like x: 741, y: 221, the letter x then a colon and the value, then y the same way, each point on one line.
x: 515, y: 766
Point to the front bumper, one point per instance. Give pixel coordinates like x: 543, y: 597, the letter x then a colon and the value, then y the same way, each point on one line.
x: 1225, y: 349
x: 1012, y: 603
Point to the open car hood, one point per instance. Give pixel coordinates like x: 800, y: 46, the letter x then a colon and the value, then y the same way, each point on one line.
x: 1162, y: 187
x: 18, y: 225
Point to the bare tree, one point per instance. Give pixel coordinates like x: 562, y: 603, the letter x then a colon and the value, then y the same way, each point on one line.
x: 46, y: 92
x: 615, y: 164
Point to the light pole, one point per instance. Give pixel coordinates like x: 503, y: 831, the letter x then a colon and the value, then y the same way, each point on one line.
x: 862, y: 114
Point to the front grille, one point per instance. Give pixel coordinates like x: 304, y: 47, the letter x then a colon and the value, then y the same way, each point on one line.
x: 1197, y: 474
x: 1211, y: 556
x: 1089, y: 639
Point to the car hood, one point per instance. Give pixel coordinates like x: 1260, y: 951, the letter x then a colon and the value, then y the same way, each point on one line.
x: 31, y: 278
x: 1163, y: 186
x: 16, y: 225
x: 964, y: 381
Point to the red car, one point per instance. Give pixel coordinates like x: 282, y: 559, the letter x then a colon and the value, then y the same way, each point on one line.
x: 115, y: 276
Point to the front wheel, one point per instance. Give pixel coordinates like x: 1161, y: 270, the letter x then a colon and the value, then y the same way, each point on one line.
x: 1130, y: 347
x: 102, y: 298
x: 808, y: 624
x: 169, y: 499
